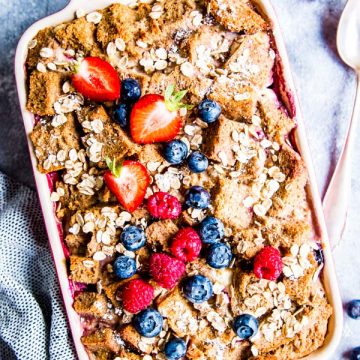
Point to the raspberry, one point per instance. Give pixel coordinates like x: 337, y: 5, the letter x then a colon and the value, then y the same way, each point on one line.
x: 136, y: 295
x: 186, y: 245
x: 166, y: 270
x: 164, y: 206
x: 268, y: 263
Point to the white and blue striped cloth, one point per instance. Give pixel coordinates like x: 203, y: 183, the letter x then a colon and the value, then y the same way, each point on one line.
x: 33, y: 325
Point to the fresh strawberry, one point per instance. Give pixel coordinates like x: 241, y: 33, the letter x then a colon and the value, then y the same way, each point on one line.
x: 128, y: 182
x: 96, y: 80
x: 156, y: 118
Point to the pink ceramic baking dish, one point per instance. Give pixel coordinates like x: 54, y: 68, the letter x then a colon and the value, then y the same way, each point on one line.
x: 43, y: 182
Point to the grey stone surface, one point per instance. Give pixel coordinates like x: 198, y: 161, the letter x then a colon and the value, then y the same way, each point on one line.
x: 325, y: 87
x: 15, y: 17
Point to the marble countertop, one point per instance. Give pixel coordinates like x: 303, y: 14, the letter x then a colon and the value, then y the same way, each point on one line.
x: 326, y: 89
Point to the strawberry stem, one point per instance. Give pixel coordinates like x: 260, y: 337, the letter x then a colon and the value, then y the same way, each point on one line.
x: 173, y: 99
x: 111, y: 164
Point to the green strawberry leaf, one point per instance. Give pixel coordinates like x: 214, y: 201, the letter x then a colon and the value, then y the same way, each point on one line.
x: 111, y: 164
x: 173, y: 100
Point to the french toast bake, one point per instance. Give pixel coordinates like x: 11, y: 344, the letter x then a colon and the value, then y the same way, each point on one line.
x: 183, y: 202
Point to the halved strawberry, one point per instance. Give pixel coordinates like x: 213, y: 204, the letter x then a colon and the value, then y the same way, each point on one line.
x: 156, y: 118
x: 96, y: 80
x: 128, y: 182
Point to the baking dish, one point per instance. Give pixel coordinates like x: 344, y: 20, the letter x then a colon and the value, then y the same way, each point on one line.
x: 44, y: 182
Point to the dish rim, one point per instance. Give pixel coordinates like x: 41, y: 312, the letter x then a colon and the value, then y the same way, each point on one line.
x: 329, y: 276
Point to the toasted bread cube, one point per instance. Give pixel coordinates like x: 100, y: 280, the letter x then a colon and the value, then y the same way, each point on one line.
x: 52, y: 144
x: 73, y: 199
x: 219, y: 141
x: 77, y: 35
x: 242, y: 289
x: 104, y: 140
x: 133, y: 340
x: 44, y: 38
x: 159, y: 234
x: 236, y: 15
x: 150, y: 153
x: 44, y: 89
x: 90, y: 304
x: 290, y: 199
x: 206, y: 40
x: 286, y: 233
x: 105, y: 339
x: 76, y: 243
x: 179, y: 313
x: 210, y: 345
x: 115, y: 23
x: 237, y: 99
x: 275, y: 121
x: 228, y: 198
x: 252, y: 60
x: 84, y: 270
x: 245, y: 242
x: 175, y: 16
x: 311, y: 338
x: 300, y: 289
x: 312, y: 320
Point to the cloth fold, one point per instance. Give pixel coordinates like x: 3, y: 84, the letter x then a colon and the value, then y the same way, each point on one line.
x: 33, y: 323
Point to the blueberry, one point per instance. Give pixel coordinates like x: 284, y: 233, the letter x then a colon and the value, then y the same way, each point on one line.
x: 130, y: 90
x: 355, y: 354
x: 319, y: 255
x: 198, y: 289
x: 175, y: 349
x: 197, y: 197
x: 133, y: 238
x: 353, y: 309
x: 211, y: 230
x: 245, y: 326
x: 219, y: 256
x: 124, y: 267
x: 122, y: 114
x: 148, y: 323
x: 197, y: 162
x: 209, y: 111
x: 175, y: 152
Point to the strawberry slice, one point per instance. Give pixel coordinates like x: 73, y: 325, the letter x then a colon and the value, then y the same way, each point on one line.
x: 96, y: 80
x: 156, y: 118
x: 128, y: 182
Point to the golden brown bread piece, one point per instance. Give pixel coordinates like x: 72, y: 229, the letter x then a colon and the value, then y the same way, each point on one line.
x: 44, y: 90
x: 90, y: 304
x: 84, y: 270
x: 102, y: 340
x: 236, y: 15
x: 53, y: 144
x: 228, y: 204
